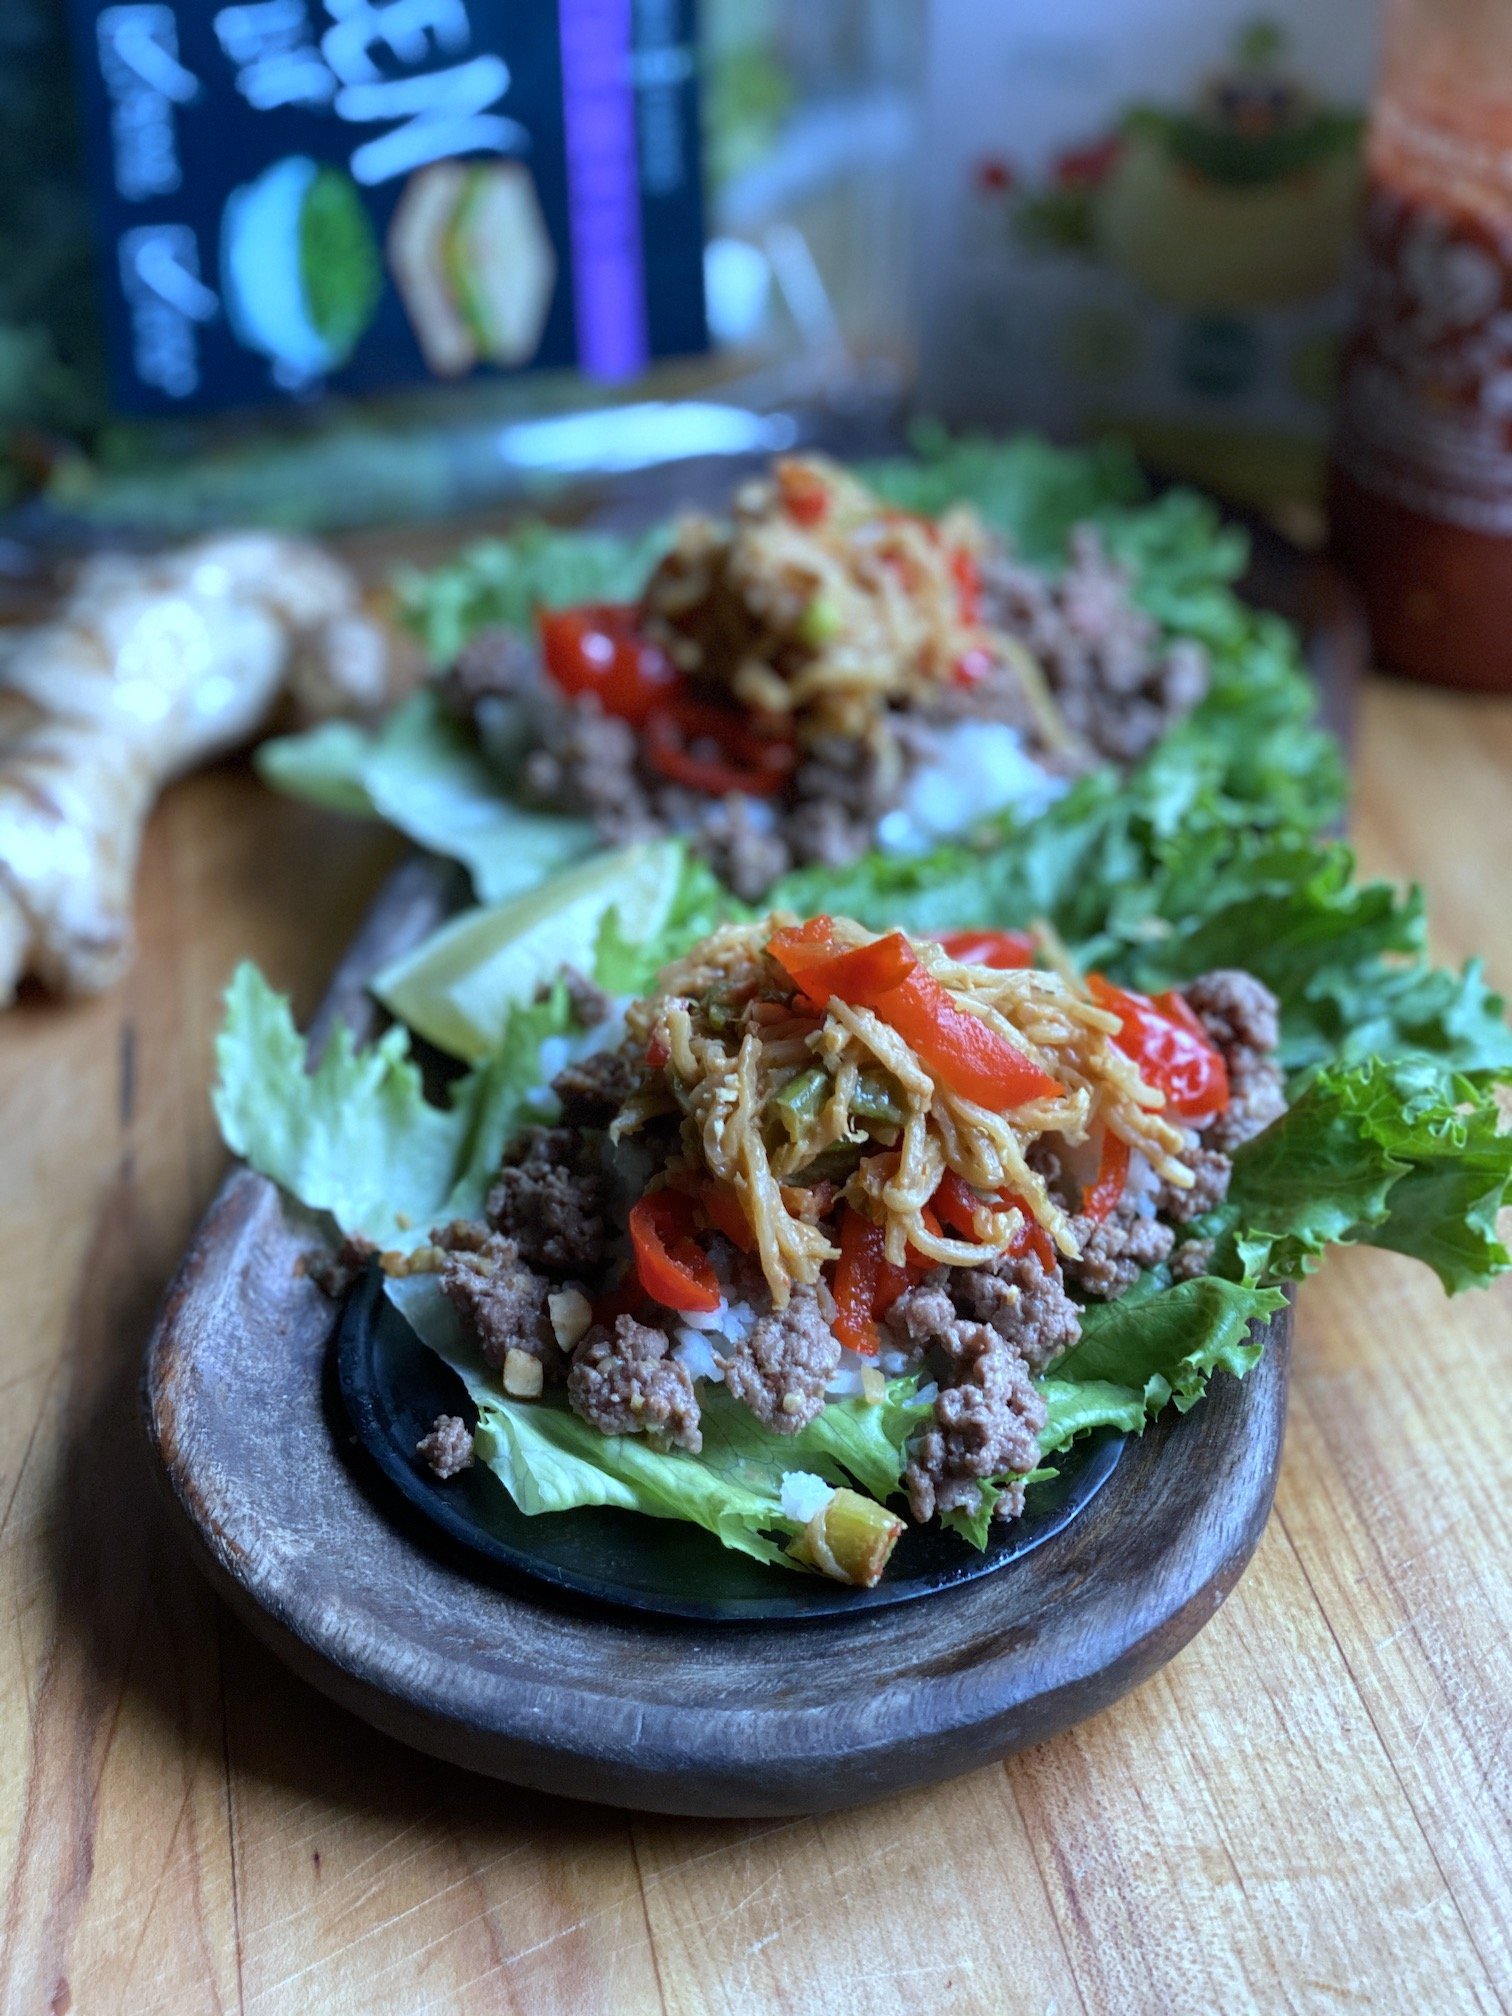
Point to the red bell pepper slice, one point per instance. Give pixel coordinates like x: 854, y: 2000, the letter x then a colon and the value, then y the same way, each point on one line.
x: 954, y: 1202
x: 968, y: 580
x: 861, y: 975
x: 959, y: 1049
x: 805, y: 495
x: 1101, y: 1200
x: 885, y: 976
x: 722, y: 1209
x: 1174, y: 1052
x: 1031, y: 1236
x: 1007, y: 951
x: 597, y: 648
x: 672, y: 1268
x: 745, y: 760
x: 857, y: 1278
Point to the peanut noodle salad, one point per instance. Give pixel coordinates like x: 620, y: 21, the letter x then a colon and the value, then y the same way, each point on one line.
x: 827, y: 665
x: 823, y: 673
x: 821, y: 1160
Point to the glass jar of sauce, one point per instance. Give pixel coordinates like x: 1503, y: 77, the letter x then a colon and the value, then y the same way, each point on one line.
x: 1421, y: 491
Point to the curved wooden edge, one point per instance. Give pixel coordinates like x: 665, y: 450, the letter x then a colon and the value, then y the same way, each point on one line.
x: 1116, y: 1595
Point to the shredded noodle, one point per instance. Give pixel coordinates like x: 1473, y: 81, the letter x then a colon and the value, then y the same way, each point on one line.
x: 831, y: 619
x: 721, y: 1076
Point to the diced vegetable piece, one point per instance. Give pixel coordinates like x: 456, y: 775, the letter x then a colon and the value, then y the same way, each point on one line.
x: 960, y: 1050
x: 820, y: 623
x: 597, y: 649
x: 1101, y: 1200
x: 1005, y: 950
x: 669, y: 1264
x: 876, y: 1098
x: 1174, y: 1052
x: 849, y: 1538
x: 800, y: 1102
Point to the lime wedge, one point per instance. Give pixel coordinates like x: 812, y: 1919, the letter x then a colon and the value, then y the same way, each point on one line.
x: 458, y: 988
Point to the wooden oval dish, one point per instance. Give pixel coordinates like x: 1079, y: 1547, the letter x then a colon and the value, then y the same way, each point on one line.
x: 736, y: 1719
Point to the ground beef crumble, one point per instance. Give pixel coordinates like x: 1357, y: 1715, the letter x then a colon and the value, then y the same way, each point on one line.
x: 448, y: 1448
x: 1118, y: 683
x: 501, y: 1302
x: 1210, y: 1181
x: 593, y: 1090
x: 1191, y: 1259
x: 551, y: 1197
x: 1237, y: 1010
x: 984, y: 1425
x: 587, y: 1001
x: 781, y: 1369
x: 1025, y: 1303
x: 627, y: 1384
x: 1026, y: 1306
x: 588, y: 764
x: 1241, y: 1015
x: 1257, y: 1096
x: 1116, y: 1250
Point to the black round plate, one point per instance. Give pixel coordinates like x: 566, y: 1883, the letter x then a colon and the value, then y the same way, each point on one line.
x: 392, y: 1388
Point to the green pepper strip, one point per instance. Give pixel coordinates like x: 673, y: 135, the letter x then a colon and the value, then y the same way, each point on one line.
x: 801, y: 1101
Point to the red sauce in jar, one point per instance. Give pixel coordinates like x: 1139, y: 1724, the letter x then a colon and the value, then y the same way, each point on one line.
x: 1421, y: 484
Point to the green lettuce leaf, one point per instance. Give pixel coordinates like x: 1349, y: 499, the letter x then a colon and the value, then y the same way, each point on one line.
x: 1161, y: 1342
x: 500, y: 583
x: 425, y: 774
x: 1383, y: 1153
x: 354, y: 1134
x: 325, y: 765
x: 1157, y: 1346
x: 550, y: 1461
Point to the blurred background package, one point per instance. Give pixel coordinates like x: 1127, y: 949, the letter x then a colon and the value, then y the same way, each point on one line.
x: 323, y: 262
x: 1143, y: 218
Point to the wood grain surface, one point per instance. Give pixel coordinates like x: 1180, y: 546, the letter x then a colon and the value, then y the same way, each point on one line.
x: 1310, y: 1809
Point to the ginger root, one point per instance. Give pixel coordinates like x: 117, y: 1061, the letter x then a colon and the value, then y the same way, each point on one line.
x: 151, y: 667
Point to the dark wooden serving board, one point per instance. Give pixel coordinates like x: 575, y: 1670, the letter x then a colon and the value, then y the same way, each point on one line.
x: 726, y: 1719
